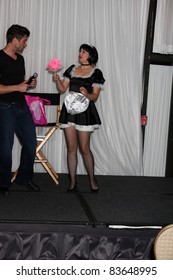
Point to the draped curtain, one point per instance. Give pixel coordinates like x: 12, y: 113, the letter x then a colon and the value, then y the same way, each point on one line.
x: 159, y: 94
x: 158, y: 110
x: 118, y: 30
x: 163, y: 38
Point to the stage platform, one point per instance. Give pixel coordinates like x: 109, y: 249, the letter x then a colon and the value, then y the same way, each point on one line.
x: 121, y: 221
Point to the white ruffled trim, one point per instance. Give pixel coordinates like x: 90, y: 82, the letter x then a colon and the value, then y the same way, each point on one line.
x: 65, y: 78
x: 79, y: 76
x: 98, y: 85
x: 80, y: 127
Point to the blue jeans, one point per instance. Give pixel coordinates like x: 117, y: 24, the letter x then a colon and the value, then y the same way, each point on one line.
x: 16, y: 118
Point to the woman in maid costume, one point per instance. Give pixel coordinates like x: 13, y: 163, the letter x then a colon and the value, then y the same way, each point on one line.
x: 79, y: 116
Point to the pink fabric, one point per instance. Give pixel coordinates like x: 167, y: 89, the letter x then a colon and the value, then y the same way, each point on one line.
x: 36, y: 106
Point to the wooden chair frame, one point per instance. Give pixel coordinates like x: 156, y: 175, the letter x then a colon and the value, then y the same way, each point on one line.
x: 42, y: 140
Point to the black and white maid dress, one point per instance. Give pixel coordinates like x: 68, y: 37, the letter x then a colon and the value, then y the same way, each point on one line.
x: 70, y: 113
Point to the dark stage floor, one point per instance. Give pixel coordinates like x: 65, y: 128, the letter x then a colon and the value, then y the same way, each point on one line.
x: 121, y: 221
x: 122, y: 200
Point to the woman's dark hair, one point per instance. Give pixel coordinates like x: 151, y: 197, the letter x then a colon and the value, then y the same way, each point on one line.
x: 16, y: 31
x: 93, y: 54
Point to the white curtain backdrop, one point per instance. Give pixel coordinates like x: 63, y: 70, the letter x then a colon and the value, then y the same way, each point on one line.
x: 163, y: 38
x: 158, y: 109
x: 118, y: 30
x: 159, y: 94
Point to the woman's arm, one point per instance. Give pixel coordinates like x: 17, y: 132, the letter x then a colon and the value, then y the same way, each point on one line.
x: 61, y: 85
x: 91, y: 96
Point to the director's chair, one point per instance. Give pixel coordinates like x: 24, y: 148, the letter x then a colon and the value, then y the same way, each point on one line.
x: 50, y: 128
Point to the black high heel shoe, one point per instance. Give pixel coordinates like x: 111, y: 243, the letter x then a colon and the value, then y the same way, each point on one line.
x: 73, y: 188
x: 94, y: 190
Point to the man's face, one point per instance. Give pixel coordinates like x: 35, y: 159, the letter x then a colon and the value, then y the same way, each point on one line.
x: 20, y: 44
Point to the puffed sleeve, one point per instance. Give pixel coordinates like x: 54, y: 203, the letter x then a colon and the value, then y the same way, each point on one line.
x: 98, y: 78
x: 67, y: 73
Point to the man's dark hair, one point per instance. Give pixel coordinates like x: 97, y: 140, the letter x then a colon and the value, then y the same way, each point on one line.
x: 93, y: 54
x: 16, y: 31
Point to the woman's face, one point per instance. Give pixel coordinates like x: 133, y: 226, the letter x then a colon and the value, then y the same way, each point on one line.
x: 83, y: 56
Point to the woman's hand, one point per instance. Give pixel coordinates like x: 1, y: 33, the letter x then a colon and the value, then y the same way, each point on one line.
x: 91, y: 96
x: 61, y: 85
x: 56, y: 77
x: 84, y: 91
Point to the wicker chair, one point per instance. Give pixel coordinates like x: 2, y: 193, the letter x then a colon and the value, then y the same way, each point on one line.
x: 163, y: 244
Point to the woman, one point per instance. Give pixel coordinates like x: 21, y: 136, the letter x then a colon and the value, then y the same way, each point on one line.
x: 87, y: 80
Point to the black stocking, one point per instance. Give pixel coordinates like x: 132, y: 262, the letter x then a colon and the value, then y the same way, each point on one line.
x: 84, y: 141
x: 72, y: 145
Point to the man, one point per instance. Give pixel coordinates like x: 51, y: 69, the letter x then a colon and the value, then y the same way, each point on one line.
x: 15, y: 116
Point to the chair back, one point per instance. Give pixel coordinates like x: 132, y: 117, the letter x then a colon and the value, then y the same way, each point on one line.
x: 54, y: 99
